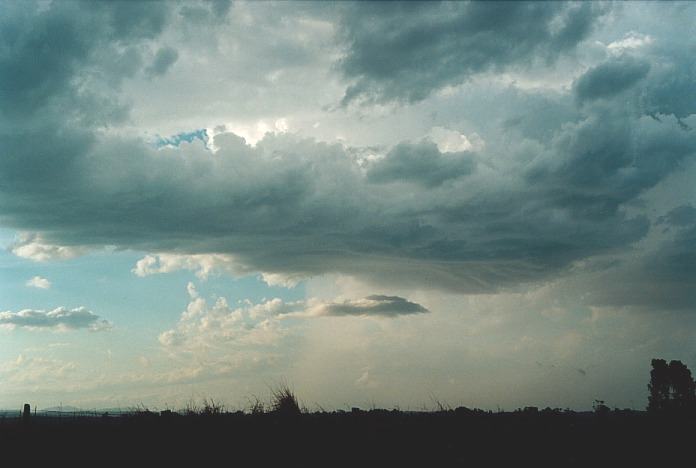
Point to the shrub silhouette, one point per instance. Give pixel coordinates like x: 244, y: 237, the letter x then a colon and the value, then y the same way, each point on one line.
x: 600, y: 408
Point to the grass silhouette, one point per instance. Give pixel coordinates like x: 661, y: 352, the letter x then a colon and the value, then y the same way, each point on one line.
x: 284, y: 401
x: 284, y: 433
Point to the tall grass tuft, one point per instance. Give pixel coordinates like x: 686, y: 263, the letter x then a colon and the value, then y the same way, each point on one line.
x: 209, y: 407
x: 284, y: 402
x: 256, y: 406
x: 212, y: 407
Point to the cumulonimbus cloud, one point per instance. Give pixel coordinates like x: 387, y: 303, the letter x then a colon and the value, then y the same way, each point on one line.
x: 472, y: 221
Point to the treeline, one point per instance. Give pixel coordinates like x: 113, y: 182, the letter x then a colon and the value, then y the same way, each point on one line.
x: 672, y: 388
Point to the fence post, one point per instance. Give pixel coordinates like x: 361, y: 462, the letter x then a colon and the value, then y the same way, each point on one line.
x: 26, y: 414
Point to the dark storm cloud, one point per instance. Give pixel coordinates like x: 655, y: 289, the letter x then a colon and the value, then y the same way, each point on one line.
x: 681, y: 216
x: 609, y: 158
x: 662, y: 279
x: 404, y: 51
x: 467, y: 222
x: 610, y: 78
x: 376, y: 305
x: 60, y: 318
x: 300, y: 207
x: 211, y: 10
x: 53, y: 58
x: 164, y: 58
x: 421, y: 163
x: 670, y: 90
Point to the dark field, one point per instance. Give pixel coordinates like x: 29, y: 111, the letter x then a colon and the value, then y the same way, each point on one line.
x: 460, y: 437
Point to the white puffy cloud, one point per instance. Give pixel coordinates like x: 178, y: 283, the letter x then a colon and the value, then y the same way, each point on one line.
x: 31, y: 246
x: 451, y: 141
x: 38, y: 282
x: 202, y: 265
x: 203, y: 326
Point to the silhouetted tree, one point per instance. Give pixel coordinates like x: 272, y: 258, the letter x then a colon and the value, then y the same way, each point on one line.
x: 658, y: 386
x: 682, y: 387
x: 671, y: 387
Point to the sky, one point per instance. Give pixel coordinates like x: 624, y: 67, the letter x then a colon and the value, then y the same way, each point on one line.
x: 382, y: 204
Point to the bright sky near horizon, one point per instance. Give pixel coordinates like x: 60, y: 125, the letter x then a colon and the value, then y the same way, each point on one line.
x: 486, y: 204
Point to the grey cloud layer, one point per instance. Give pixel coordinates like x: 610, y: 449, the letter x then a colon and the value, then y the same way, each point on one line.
x: 67, y: 57
x: 610, y: 78
x: 405, y: 51
x: 60, y: 318
x: 567, y: 188
x: 164, y: 58
x: 663, y: 278
x: 422, y: 163
x: 375, y: 305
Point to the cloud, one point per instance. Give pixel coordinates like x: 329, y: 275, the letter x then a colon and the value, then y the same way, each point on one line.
x: 163, y: 60
x: 658, y: 280
x: 296, y: 207
x: 38, y: 282
x: 217, y: 338
x: 451, y: 141
x: 203, y: 264
x: 61, y: 319
x: 203, y: 327
x: 211, y: 331
x: 31, y: 246
x: 681, y: 216
x: 555, y: 183
x: 27, y: 370
x: 375, y: 305
x: 610, y: 78
x: 75, y: 39
x: 406, y: 51
x: 213, y: 10
x: 421, y: 163
x: 632, y: 40
x: 568, y: 212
